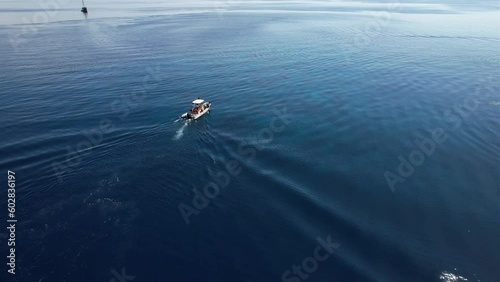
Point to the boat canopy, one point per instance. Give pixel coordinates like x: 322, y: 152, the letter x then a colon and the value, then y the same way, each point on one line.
x: 198, y: 101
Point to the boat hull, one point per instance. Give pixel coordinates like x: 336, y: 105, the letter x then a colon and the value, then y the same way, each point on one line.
x: 193, y: 116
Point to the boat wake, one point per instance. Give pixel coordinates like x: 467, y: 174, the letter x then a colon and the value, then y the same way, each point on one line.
x: 180, y: 132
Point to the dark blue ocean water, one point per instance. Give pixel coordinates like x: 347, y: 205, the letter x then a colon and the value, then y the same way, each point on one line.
x: 372, y: 125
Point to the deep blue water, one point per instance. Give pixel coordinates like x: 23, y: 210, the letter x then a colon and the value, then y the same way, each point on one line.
x: 314, y: 106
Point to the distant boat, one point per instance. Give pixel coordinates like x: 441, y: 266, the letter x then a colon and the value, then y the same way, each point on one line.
x: 199, y: 108
x: 84, y: 9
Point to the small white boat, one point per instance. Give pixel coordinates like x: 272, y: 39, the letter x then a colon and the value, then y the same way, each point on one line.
x: 199, y: 107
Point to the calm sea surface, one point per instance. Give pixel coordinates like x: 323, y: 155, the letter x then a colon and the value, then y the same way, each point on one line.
x: 372, y: 125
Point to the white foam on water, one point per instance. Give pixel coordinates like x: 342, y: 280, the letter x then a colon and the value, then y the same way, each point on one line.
x: 450, y: 277
x: 180, y: 132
